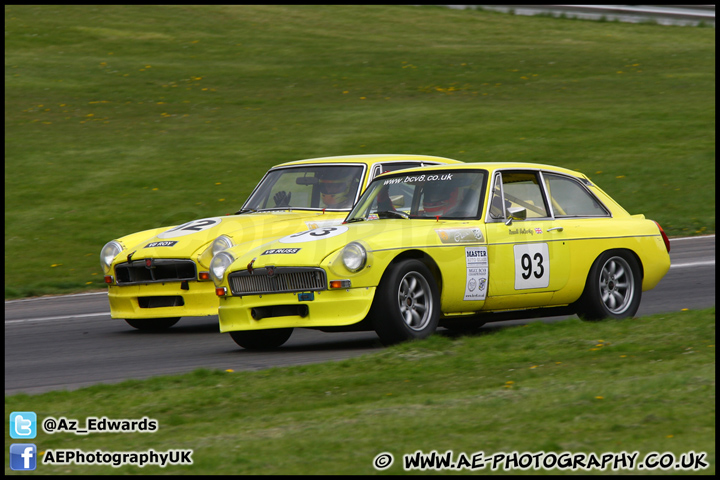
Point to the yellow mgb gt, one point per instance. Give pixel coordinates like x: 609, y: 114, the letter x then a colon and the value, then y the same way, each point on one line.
x: 449, y: 245
x: 157, y: 276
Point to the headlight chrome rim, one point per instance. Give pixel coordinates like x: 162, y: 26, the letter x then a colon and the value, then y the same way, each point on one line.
x: 223, y: 242
x: 354, y: 257
x: 219, y: 265
x: 108, y: 253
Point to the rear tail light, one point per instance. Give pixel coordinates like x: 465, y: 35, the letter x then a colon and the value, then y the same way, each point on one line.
x: 665, y: 238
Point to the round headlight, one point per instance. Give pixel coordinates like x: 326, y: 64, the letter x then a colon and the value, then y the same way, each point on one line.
x: 219, y: 264
x: 108, y: 253
x: 354, y: 256
x: 221, y: 243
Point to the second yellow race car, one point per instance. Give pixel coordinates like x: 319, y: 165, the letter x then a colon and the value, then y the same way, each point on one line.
x: 449, y: 245
x: 157, y: 276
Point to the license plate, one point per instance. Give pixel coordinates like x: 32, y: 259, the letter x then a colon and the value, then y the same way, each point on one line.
x: 306, y: 297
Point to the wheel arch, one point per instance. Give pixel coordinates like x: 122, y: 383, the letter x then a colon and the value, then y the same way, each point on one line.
x: 424, y: 258
x: 632, y: 254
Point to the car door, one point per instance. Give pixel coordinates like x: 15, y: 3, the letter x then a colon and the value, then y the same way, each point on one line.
x: 528, y: 253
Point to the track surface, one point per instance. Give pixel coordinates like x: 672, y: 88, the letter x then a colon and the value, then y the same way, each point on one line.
x: 67, y: 342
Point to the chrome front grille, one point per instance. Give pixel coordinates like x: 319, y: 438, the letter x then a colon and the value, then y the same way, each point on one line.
x: 155, y: 270
x: 277, y: 280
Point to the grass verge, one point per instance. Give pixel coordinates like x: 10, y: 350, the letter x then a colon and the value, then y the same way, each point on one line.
x: 644, y: 384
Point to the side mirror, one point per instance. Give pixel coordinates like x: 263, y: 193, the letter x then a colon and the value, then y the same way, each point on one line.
x: 515, y: 213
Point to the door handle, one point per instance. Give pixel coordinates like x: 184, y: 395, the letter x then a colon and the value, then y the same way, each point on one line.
x: 559, y: 229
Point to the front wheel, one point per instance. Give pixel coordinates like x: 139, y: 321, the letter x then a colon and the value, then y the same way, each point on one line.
x: 407, y: 303
x: 152, y: 324
x: 613, y: 288
x: 261, y: 339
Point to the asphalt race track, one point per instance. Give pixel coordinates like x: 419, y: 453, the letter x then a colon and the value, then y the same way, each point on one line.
x: 67, y: 342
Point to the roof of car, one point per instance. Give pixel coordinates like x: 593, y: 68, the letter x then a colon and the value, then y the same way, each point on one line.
x: 492, y: 166
x: 371, y: 159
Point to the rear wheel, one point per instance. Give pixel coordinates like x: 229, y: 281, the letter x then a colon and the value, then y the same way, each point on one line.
x: 407, y: 303
x: 152, y: 324
x: 261, y: 339
x: 613, y: 288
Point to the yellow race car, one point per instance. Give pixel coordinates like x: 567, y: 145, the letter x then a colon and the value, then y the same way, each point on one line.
x: 449, y: 245
x: 157, y: 276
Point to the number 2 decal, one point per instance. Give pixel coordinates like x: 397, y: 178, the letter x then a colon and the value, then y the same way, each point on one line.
x: 190, y: 227
x: 532, y: 266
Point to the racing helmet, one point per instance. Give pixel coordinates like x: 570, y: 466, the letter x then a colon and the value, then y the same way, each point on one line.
x: 335, y: 186
x: 439, y: 198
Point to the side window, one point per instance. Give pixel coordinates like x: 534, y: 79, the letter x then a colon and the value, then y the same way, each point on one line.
x: 519, y: 190
x: 570, y: 199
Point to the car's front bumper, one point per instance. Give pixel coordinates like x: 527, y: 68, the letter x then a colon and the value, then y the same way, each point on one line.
x: 162, y: 300
x: 329, y: 308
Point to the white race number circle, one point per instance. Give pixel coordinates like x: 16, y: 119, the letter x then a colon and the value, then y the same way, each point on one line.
x: 315, y: 234
x: 532, y: 266
x: 190, y: 227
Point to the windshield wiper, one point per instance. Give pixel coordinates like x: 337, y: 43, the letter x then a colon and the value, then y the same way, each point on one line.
x: 245, y: 210
x: 356, y: 219
x: 393, y: 214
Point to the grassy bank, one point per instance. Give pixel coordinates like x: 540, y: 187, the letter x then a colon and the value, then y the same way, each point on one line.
x: 123, y: 118
x: 645, y: 385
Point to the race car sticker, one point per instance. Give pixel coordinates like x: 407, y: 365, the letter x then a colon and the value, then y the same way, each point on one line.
x: 315, y: 234
x: 476, y: 262
x: 191, y: 227
x: 460, y: 235
x: 532, y: 266
x: 283, y: 251
x: 525, y: 231
x: 161, y: 244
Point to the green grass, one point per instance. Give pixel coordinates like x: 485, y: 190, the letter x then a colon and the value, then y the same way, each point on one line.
x: 123, y: 118
x: 645, y: 385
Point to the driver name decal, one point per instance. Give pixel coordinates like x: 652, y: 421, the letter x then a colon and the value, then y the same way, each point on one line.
x: 281, y: 251
x: 161, y: 244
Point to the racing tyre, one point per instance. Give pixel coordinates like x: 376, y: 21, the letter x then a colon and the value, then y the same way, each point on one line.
x: 261, y: 339
x: 613, y: 288
x: 152, y: 324
x: 407, y: 303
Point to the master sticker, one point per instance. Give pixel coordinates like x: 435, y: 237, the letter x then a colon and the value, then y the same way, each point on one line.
x: 476, y: 263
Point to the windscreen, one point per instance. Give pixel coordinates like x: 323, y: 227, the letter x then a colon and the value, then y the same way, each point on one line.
x: 332, y: 187
x: 450, y: 194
